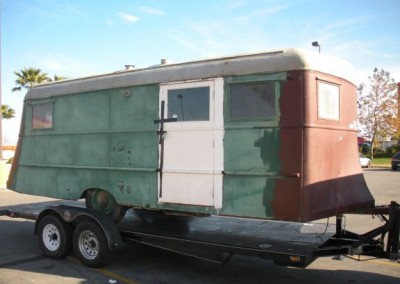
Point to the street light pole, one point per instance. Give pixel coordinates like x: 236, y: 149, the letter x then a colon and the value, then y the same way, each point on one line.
x: 316, y: 44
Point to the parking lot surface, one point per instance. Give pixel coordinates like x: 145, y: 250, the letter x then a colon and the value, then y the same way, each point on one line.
x: 21, y: 260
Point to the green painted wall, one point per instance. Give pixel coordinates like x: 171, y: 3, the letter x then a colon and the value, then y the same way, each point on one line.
x: 251, y: 156
x: 111, y: 144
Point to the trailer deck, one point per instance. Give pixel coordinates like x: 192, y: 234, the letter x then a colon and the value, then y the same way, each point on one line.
x: 212, y: 238
x: 217, y: 238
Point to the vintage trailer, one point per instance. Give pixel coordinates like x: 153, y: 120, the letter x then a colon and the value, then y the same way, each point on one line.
x: 269, y: 135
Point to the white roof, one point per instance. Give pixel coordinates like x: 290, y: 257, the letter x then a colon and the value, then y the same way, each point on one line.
x: 266, y: 62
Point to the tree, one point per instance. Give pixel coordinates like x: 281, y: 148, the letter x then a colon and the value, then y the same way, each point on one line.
x: 396, y: 120
x: 7, y: 112
x: 58, y: 78
x: 378, y: 107
x: 27, y: 78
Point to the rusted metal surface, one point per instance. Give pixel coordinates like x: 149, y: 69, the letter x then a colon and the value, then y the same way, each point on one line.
x: 323, y: 152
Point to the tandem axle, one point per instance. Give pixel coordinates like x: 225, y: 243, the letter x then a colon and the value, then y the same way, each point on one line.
x: 94, y: 237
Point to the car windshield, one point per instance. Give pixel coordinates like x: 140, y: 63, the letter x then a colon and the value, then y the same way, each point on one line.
x: 397, y: 156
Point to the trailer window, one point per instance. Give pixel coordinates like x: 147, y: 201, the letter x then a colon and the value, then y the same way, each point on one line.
x: 190, y: 104
x: 328, y: 101
x: 42, y: 116
x: 252, y: 101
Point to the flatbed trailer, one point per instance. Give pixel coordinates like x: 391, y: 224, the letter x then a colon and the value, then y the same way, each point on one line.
x: 63, y: 226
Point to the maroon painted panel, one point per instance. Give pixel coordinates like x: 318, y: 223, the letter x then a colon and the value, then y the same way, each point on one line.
x: 320, y: 166
x: 287, y: 202
x: 287, y: 193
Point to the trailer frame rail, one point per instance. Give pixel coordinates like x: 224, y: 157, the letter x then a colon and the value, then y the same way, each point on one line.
x: 215, y: 249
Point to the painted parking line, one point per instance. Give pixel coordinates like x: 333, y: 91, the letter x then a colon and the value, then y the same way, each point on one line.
x: 105, y: 272
x: 377, y: 261
x: 115, y: 276
x: 395, y: 264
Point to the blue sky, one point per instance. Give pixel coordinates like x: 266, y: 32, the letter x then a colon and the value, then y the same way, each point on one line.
x: 86, y: 37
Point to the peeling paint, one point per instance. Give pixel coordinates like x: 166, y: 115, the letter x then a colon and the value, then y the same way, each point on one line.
x: 123, y: 187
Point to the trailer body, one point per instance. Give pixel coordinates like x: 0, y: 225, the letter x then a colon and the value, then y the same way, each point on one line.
x: 270, y: 135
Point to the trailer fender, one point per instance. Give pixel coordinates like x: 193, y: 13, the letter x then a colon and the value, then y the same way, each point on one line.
x: 74, y: 215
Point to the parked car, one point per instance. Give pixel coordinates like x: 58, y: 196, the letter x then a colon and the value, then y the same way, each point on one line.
x: 364, y: 161
x: 396, y: 161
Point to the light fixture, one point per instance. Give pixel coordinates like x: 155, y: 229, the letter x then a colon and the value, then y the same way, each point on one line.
x: 316, y: 44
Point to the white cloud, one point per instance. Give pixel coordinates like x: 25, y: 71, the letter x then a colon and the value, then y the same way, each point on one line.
x: 270, y: 11
x: 54, y: 10
x: 235, y: 4
x: 264, y: 13
x: 68, y: 9
x: 182, y: 39
x: 389, y: 55
x: 62, y: 65
x: 152, y: 11
x: 346, y: 25
x: 128, y: 17
x: 110, y: 23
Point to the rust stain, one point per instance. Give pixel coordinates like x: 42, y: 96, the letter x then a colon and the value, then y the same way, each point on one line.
x: 324, y: 152
x: 123, y: 187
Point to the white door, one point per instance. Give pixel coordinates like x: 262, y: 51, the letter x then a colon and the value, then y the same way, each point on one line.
x: 193, y: 154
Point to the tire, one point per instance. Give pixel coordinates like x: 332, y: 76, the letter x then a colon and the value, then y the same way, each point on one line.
x: 90, y: 244
x: 101, y: 200
x: 394, y: 168
x: 55, y: 237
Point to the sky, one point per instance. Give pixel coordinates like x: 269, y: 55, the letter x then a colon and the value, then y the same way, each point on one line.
x: 79, y: 38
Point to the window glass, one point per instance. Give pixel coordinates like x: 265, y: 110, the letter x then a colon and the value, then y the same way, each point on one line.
x: 252, y: 101
x: 191, y: 104
x: 328, y: 101
x: 42, y: 116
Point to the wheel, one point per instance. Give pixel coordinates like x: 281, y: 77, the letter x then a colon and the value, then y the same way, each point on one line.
x: 103, y: 201
x: 394, y: 168
x: 90, y: 244
x: 55, y: 237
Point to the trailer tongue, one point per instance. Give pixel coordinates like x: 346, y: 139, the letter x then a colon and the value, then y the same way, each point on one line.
x: 212, y: 238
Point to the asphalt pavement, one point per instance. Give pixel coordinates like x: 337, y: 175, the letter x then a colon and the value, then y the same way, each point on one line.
x: 21, y: 260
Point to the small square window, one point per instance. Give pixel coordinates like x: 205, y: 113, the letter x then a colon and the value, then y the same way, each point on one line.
x: 252, y: 101
x: 42, y: 116
x: 189, y: 104
x: 328, y: 101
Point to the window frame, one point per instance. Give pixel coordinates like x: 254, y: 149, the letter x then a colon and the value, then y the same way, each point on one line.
x: 33, y: 105
x: 164, y: 88
x: 247, y: 82
x: 201, y: 96
x: 322, y: 113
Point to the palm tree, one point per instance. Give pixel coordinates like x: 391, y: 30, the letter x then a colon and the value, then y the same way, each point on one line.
x: 29, y: 77
x: 57, y: 78
x: 7, y: 112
